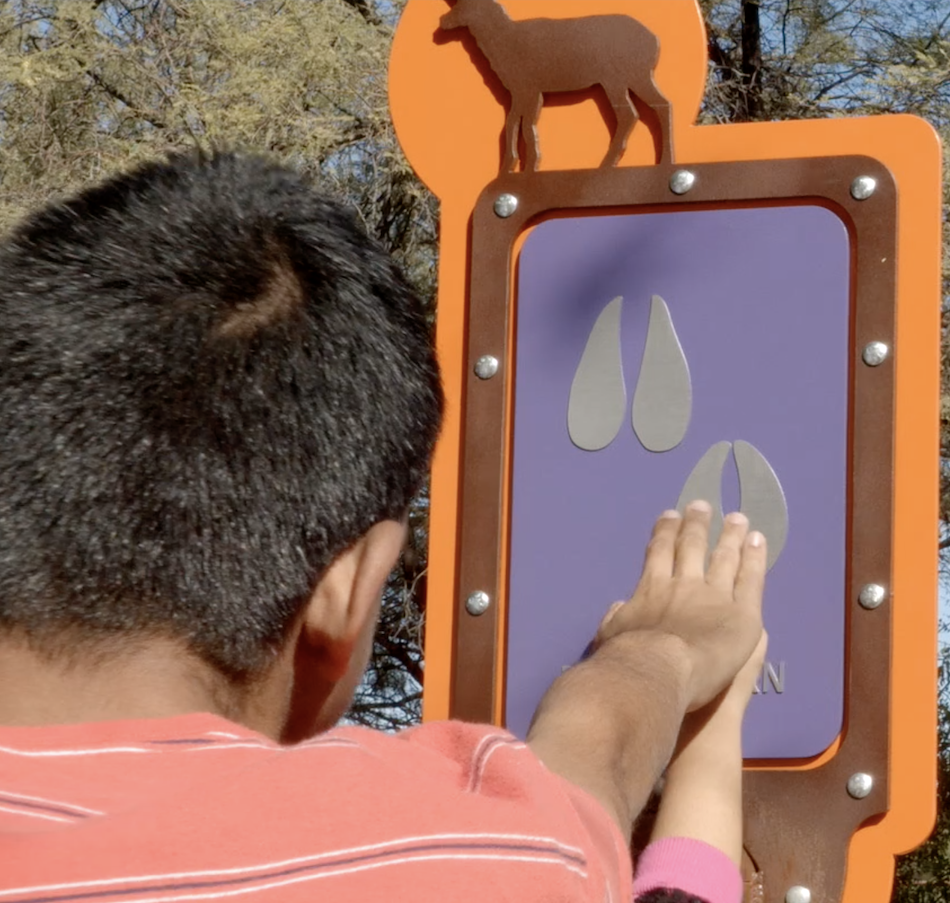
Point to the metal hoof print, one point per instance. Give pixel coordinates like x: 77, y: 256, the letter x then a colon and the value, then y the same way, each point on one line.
x: 598, y: 401
x: 762, y: 498
x: 662, y: 407
x: 705, y: 482
x: 663, y: 401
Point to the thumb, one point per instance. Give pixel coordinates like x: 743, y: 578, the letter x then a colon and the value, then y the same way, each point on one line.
x: 610, y: 613
x: 602, y: 633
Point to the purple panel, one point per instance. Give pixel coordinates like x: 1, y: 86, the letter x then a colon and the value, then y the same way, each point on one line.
x: 760, y: 300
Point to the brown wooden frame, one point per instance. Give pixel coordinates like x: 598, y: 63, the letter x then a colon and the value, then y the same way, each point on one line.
x: 783, y: 800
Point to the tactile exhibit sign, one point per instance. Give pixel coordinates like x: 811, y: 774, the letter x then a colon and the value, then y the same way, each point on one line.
x: 593, y: 464
x: 635, y: 311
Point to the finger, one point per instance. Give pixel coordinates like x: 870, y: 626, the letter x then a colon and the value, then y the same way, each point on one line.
x: 610, y: 613
x: 603, y: 630
x: 750, y: 578
x: 725, y: 558
x: 692, y: 543
x: 658, y: 561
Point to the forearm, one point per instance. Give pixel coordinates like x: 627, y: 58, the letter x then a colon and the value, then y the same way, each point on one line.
x: 609, y: 724
x: 702, y: 796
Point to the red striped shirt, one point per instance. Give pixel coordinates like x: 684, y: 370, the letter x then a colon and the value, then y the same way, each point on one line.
x: 197, y: 808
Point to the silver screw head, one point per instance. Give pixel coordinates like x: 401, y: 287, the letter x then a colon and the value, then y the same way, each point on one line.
x: 682, y: 181
x: 798, y: 894
x: 505, y: 205
x: 859, y: 785
x: 872, y: 595
x: 863, y: 187
x: 875, y: 353
x: 486, y: 366
x: 477, y: 603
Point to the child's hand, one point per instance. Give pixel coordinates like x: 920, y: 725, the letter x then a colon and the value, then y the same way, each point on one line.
x: 702, y: 796
x: 740, y: 691
x: 722, y: 718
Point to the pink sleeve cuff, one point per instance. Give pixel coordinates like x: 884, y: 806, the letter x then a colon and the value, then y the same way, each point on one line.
x: 691, y: 866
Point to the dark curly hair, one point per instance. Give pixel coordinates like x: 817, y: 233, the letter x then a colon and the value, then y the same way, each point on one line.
x: 668, y: 895
x: 211, y: 384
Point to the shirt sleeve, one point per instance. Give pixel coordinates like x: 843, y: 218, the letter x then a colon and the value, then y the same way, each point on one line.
x: 696, y: 869
x: 504, y: 784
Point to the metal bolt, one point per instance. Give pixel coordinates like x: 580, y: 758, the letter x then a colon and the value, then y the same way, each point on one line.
x: 477, y: 603
x: 863, y: 187
x: 859, y: 785
x: 875, y: 353
x: 486, y: 366
x: 798, y: 894
x: 871, y: 596
x: 505, y: 205
x: 682, y: 181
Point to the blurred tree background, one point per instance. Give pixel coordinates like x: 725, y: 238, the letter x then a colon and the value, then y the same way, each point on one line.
x: 88, y: 87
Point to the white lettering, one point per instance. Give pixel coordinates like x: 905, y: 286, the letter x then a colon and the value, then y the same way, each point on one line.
x: 773, y: 675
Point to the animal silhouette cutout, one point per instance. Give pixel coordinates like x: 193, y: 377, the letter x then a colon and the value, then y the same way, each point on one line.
x: 535, y: 57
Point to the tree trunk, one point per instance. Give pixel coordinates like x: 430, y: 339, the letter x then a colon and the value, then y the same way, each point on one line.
x: 752, y: 106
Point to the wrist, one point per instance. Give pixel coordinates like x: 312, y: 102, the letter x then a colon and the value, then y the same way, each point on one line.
x: 663, y: 657
x: 713, y: 751
x: 609, y: 724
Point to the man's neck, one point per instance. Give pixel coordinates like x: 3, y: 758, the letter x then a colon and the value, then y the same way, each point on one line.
x: 151, y: 678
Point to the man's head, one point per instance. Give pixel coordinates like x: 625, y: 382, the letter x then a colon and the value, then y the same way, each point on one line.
x: 212, y: 384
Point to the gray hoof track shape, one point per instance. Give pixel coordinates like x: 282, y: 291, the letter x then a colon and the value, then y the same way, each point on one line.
x: 705, y: 482
x: 663, y: 401
x: 761, y: 497
x: 598, y: 401
x: 662, y: 408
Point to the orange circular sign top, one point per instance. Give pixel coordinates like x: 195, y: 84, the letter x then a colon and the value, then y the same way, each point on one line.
x: 449, y: 109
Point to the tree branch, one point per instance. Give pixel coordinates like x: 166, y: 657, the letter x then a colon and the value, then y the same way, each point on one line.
x: 116, y: 94
x: 366, y: 11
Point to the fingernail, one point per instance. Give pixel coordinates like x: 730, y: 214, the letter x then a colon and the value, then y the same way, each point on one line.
x: 756, y: 539
x: 671, y: 512
x: 700, y: 507
x: 737, y: 518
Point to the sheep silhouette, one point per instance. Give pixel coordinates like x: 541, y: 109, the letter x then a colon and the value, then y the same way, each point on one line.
x: 534, y: 57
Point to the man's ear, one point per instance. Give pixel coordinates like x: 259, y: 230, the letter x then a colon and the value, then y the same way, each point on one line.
x: 340, y: 618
